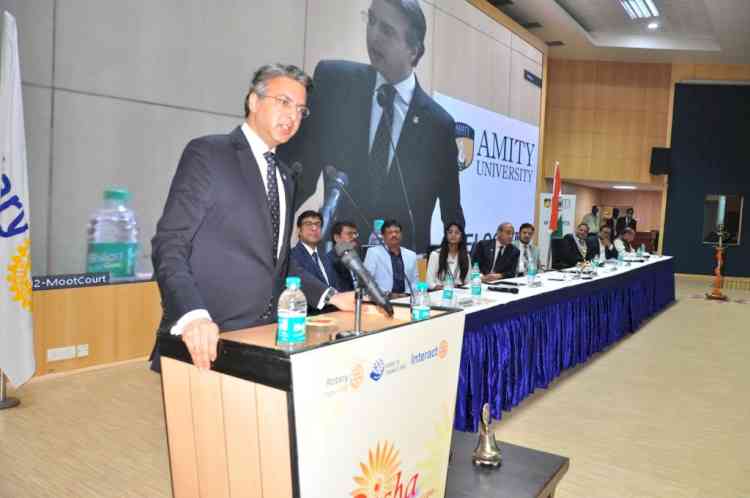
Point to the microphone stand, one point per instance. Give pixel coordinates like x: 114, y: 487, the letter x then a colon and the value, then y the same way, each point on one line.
x: 359, y: 293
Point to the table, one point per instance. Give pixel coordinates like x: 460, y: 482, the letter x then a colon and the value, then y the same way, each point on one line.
x: 525, y: 473
x: 514, y: 344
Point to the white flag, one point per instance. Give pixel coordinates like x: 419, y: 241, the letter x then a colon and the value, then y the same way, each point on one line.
x: 16, y: 327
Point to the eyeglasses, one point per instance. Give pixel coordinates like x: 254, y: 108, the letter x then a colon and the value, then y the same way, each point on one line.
x: 310, y: 224
x: 288, y: 105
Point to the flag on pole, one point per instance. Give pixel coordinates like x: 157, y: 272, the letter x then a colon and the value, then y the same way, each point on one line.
x: 555, y: 202
x: 16, y: 328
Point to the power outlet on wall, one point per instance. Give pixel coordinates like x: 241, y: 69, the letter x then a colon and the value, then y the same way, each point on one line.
x: 82, y: 350
x: 59, y: 354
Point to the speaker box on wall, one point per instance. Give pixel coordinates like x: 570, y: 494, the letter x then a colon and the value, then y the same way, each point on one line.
x: 660, y: 161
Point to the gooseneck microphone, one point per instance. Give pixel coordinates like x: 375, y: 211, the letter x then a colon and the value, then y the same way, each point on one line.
x: 335, y: 181
x: 332, y: 171
x: 348, y: 254
x: 381, y: 99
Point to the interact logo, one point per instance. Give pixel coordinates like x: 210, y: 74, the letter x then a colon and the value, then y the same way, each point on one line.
x: 377, y: 370
x: 443, y: 349
x: 439, y: 351
x: 357, y: 377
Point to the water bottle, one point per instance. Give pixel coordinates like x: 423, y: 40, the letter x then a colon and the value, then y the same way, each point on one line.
x: 531, y: 273
x: 420, y: 303
x: 642, y: 250
x: 621, y: 259
x: 449, y: 293
x: 112, y: 236
x: 376, y: 238
x: 292, y: 314
x: 476, y: 284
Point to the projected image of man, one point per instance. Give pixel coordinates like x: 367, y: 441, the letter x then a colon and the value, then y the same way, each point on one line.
x: 375, y: 123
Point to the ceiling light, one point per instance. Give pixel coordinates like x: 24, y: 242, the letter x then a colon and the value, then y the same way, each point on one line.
x: 624, y: 187
x: 640, y: 9
x: 653, y: 25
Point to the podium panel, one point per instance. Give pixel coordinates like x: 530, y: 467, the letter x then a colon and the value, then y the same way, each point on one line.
x: 364, y: 416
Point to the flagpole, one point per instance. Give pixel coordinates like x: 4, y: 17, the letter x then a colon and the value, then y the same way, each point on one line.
x: 5, y: 402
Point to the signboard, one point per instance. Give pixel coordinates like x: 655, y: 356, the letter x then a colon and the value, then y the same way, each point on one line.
x: 374, y: 416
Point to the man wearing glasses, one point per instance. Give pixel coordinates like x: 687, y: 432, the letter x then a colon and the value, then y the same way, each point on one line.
x: 305, y: 254
x: 375, y: 122
x: 221, y: 247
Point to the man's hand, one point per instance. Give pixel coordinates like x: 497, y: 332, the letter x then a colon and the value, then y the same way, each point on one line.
x: 491, y: 277
x: 343, y: 300
x: 201, y: 337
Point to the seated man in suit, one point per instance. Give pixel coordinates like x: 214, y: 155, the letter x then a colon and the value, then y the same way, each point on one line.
x: 497, y: 258
x: 624, y: 243
x: 604, y: 248
x: 528, y: 251
x: 626, y: 221
x: 393, y: 267
x: 577, y: 247
x: 343, y: 231
x: 305, y: 253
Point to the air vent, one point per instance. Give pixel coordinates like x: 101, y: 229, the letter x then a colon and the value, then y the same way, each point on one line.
x: 501, y: 3
x: 532, y: 25
x: 555, y: 43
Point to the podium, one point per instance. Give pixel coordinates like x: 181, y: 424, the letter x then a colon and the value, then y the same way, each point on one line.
x: 370, y: 415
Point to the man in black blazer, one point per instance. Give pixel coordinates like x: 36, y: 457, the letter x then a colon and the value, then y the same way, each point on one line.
x: 626, y: 221
x: 361, y: 112
x: 604, y: 247
x: 343, y: 231
x: 497, y: 258
x: 577, y: 247
x: 221, y: 247
x: 306, y: 255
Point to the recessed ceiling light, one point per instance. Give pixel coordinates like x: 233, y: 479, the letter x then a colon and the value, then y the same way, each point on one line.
x: 640, y: 9
x: 624, y: 187
x: 653, y: 25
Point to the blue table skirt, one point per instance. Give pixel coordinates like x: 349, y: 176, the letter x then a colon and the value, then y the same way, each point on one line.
x: 510, y: 350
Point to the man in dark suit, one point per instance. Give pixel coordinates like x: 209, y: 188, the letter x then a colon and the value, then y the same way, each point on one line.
x: 221, y: 247
x: 362, y: 112
x: 626, y: 221
x: 497, y: 258
x: 577, y: 247
x: 604, y: 247
x: 343, y: 231
x: 305, y: 253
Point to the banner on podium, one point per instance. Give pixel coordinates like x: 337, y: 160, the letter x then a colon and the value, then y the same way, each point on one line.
x: 374, y: 416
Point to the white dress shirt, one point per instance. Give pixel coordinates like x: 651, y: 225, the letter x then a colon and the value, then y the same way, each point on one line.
x: 433, y: 265
x: 401, y: 101
x: 258, y: 148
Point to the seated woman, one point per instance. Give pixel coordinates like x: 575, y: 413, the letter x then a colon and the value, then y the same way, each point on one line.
x: 624, y: 243
x: 452, y: 258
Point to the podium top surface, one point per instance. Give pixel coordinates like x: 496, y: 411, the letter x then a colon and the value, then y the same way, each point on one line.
x: 253, y: 354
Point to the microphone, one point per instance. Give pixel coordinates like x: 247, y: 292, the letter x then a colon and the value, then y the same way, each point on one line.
x: 381, y: 102
x: 331, y: 171
x: 509, y: 290
x: 335, y: 182
x: 348, y: 254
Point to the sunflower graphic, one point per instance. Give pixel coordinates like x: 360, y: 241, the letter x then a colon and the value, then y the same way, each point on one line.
x: 18, y: 277
x: 379, y: 473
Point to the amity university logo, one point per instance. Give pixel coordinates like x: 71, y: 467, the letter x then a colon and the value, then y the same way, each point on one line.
x: 496, y: 155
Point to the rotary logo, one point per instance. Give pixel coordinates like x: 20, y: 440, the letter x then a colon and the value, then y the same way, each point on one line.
x: 19, y: 275
x: 443, y: 349
x: 357, y: 377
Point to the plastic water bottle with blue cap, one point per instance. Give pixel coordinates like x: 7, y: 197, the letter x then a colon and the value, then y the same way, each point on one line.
x: 420, y: 303
x: 476, y: 284
x: 449, y: 293
x: 292, y: 314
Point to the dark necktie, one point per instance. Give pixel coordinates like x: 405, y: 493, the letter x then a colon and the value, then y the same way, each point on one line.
x: 381, y: 144
x: 273, y: 200
x: 500, y: 252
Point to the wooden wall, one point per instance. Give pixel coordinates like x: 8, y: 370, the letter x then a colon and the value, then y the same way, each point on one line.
x: 118, y: 322
x: 603, y: 118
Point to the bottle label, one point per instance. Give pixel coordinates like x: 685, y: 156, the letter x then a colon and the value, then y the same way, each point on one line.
x: 419, y: 313
x: 476, y: 290
x: 448, y: 294
x: 291, y: 328
x: 115, y: 258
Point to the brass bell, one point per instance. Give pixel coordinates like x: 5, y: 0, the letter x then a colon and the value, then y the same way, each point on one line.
x: 487, y: 453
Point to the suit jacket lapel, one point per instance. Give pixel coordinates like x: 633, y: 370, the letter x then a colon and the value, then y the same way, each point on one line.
x: 289, y: 185
x: 410, y: 132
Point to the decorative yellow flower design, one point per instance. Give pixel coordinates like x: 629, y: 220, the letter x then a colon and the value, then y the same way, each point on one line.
x: 19, y: 275
x: 434, y: 466
x: 379, y: 474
